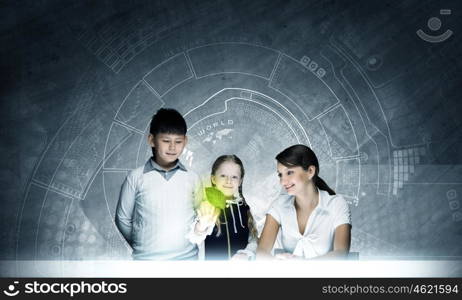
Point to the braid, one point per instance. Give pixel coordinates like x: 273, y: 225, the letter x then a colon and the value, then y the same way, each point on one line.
x: 250, y: 221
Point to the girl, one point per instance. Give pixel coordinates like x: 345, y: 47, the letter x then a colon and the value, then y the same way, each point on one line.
x: 314, y: 222
x: 228, y: 232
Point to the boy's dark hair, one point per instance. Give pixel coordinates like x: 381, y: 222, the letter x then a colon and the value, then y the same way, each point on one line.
x: 168, y: 120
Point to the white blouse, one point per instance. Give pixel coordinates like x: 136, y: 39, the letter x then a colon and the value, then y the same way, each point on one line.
x: 318, y: 237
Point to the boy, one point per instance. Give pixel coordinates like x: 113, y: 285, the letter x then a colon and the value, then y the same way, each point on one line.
x: 157, y: 201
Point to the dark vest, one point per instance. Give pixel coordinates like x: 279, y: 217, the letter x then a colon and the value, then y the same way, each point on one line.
x: 234, y: 233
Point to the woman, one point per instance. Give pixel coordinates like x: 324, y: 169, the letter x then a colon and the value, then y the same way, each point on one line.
x: 314, y: 222
x: 229, y: 230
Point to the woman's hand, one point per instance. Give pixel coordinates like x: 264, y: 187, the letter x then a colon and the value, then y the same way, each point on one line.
x: 207, y: 215
x: 267, y: 238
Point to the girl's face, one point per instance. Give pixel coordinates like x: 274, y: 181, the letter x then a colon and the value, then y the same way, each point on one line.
x: 294, y: 179
x: 227, y: 178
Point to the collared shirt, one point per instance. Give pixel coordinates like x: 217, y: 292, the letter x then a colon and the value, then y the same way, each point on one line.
x: 167, y: 174
x: 156, y: 209
x: 318, y: 236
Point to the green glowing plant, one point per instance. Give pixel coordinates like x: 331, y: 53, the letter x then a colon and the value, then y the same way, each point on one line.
x: 215, y: 197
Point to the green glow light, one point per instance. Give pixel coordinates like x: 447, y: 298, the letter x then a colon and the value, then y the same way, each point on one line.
x: 215, y: 197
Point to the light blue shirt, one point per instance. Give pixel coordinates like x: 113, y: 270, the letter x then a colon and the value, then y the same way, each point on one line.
x: 156, y: 209
x: 151, y: 165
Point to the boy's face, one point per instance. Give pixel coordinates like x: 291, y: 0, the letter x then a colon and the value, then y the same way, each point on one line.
x: 167, y: 147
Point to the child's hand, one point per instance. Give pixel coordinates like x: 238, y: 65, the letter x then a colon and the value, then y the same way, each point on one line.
x: 207, y: 215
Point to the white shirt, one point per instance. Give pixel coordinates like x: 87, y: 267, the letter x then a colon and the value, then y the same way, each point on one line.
x: 155, y: 211
x: 318, y: 236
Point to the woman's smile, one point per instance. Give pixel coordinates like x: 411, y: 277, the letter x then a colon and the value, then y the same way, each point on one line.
x: 289, y: 187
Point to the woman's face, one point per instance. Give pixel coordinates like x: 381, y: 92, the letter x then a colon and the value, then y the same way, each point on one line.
x: 294, y: 179
x: 227, y: 178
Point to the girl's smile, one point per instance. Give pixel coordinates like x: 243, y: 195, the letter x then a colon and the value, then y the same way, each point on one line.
x: 227, y: 178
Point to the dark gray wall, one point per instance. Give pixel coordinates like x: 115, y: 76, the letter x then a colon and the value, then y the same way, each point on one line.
x: 378, y: 104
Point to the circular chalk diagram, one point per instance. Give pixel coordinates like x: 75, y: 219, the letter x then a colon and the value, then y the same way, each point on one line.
x: 238, y: 98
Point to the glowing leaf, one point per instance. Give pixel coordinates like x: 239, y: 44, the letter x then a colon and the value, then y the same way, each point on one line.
x: 215, y: 197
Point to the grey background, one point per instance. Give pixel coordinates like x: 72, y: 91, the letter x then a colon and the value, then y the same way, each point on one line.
x: 380, y: 107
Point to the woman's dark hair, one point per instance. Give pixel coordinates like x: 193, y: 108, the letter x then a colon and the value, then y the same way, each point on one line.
x: 233, y: 158
x: 303, y: 156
